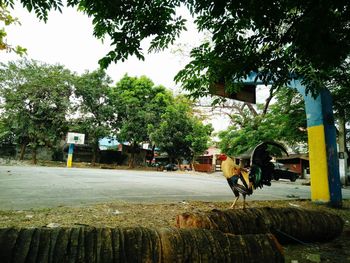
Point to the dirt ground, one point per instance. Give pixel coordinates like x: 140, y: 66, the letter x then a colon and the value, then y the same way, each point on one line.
x: 121, y: 214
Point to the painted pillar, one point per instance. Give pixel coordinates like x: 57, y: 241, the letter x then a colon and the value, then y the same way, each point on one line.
x: 323, y: 155
x: 70, y: 155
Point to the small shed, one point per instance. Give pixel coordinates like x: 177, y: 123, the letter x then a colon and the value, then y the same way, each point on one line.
x: 208, y: 161
x: 298, y: 163
x: 204, y: 163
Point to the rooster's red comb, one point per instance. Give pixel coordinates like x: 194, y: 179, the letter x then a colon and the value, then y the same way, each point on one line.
x: 222, y: 157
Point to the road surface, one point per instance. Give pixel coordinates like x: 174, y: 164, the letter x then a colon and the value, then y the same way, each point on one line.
x: 27, y: 187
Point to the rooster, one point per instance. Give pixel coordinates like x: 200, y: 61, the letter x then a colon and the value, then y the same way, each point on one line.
x: 244, y: 180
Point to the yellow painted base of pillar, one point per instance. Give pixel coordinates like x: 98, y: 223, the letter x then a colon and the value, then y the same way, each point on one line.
x: 318, y: 164
x: 69, y: 160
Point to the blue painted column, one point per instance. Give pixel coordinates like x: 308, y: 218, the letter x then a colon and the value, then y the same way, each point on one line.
x: 323, y: 154
x: 70, y: 155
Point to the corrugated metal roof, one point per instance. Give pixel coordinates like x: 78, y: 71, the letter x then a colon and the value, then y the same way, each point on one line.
x: 295, y: 156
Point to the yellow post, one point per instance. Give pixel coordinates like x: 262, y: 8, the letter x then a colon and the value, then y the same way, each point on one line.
x: 70, y: 155
x: 318, y: 164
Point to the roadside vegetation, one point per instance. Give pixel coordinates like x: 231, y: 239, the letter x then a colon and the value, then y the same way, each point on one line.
x: 242, y: 37
x: 157, y: 215
x: 279, y: 40
x: 41, y: 103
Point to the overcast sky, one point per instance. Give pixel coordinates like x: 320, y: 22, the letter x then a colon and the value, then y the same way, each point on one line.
x: 68, y: 39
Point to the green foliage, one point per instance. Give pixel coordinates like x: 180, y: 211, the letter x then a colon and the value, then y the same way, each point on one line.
x: 287, y: 117
x: 36, y: 98
x: 278, y: 39
x: 35, y: 101
x: 39, y: 7
x: 138, y: 103
x: 180, y: 133
x: 7, y: 19
x: 285, y: 121
x: 5, y: 132
x: 339, y: 87
x: 92, y: 91
x: 236, y: 140
x: 199, y: 138
x: 129, y: 22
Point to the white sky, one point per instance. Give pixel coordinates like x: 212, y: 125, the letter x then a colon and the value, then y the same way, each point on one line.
x: 68, y: 39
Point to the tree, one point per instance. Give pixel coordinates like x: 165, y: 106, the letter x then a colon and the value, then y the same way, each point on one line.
x: 138, y: 103
x: 339, y: 87
x: 287, y: 118
x: 283, y: 121
x: 181, y: 134
x: 92, y: 91
x: 35, y: 102
x: 278, y: 39
x: 200, y: 137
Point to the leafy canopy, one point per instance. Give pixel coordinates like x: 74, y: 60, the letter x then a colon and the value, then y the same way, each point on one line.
x: 6, y: 136
x: 305, y: 38
x: 35, y: 101
x: 284, y: 121
x: 92, y: 93
x: 181, y: 134
x: 138, y: 102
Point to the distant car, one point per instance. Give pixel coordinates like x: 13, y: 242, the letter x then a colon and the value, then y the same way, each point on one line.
x: 171, y: 167
x: 282, y: 172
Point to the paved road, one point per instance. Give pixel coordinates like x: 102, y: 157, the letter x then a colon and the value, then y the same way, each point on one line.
x: 26, y: 187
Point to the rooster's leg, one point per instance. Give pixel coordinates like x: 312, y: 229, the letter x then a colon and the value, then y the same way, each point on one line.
x: 234, y: 202
x: 244, y: 201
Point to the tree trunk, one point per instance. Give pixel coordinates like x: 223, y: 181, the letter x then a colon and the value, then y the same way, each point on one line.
x: 131, y: 160
x: 23, y: 151
x: 132, y: 155
x: 93, y: 160
x: 134, y: 245
x: 151, y: 157
x: 34, y: 152
x: 251, y: 109
x: 303, y: 225
x: 268, y: 100
x: 95, y: 151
